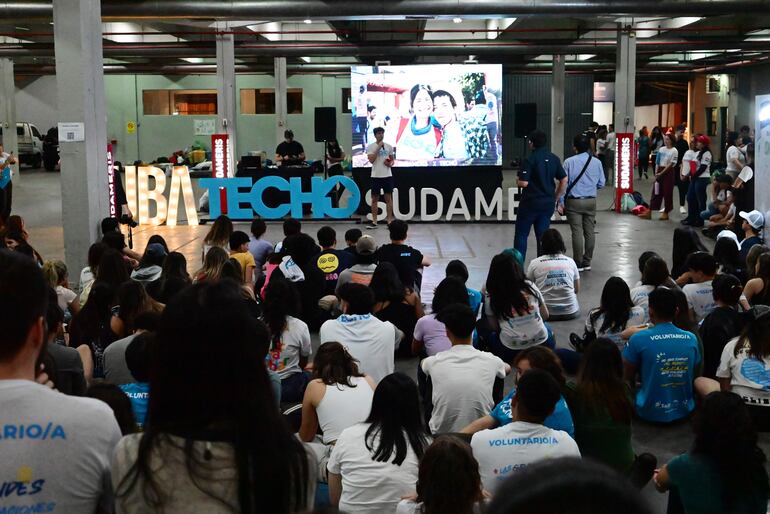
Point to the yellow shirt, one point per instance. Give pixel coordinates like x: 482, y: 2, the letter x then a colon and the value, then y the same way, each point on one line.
x: 245, y: 259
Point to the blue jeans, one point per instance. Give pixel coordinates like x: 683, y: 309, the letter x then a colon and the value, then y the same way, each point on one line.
x: 696, y: 200
x: 507, y: 354
x: 710, y: 211
x: 528, y: 215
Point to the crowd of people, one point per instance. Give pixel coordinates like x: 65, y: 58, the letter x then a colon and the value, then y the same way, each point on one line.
x: 150, y: 386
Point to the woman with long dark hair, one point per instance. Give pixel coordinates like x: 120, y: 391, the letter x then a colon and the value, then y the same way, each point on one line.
x: 725, y: 469
x: 602, y: 408
x: 734, y: 158
x: 217, y: 236
x: 374, y: 464
x: 334, y: 158
x: 727, y: 256
x: 289, y: 339
x: 173, y: 278
x: 448, y: 481
x: 112, y: 268
x: 655, y: 275
x: 90, y: 331
x: 514, y: 309
x: 686, y: 241
x: 214, y: 441
x: 742, y: 367
x: 757, y: 290
x: 615, y: 313
x: 643, y: 143
x: 395, y: 303
x: 663, y: 187
x: 699, y: 182
x: 723, y: 323
x: 131, y: 300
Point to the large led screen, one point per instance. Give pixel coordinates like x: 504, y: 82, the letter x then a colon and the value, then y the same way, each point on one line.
x: 433, y: 115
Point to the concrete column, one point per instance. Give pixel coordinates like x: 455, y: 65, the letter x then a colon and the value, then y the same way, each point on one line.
x: 557, y: 106
x: 280, y: 97
x: 227, y: 114
x: 625, y: 81
x: 8, y: 114
x: 80, y: 85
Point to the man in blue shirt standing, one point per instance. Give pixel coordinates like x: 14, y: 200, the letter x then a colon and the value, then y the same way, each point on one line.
x: 666, y: 358
x: 538, y: 177
x: 585, y: 176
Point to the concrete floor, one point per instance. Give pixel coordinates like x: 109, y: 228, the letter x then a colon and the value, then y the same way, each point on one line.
x: 620, y: 240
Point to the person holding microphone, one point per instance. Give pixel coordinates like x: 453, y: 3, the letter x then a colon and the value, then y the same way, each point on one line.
x: 380, y: 154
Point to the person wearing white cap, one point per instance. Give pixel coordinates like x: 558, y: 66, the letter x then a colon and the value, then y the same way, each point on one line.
x: 729, y: 234
x: 752, y: 226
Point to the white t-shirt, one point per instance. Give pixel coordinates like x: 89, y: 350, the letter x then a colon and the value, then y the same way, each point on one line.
x: 555, y: 276
x: 611, y: 141
x: 689, y: 160
x: 343, y: 406
x: 705, y: 160
x: 636, y: 317
x: 502, y: 451
x: 463, y: 378
x: 369, y: 486
x: 640, y: 295
x: 746, y: 174
x: 522, y: 331
x: 667, y: 157
x: 700, y: 298
x: 295, y: 342
x: 734, y: 153
x: 65, y: 297
x: 411, y: 507
x: 55, y: 450
x: 371, y: 341
x: 379, y: 170
x: 749, y: 377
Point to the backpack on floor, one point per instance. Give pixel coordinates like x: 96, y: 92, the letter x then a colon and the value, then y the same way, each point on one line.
x: 627, y: 202
x: 639, y: 199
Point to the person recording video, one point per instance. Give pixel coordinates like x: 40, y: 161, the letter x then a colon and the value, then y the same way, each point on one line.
x: 289, y: 152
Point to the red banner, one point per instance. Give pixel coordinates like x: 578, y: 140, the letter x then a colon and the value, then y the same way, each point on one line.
x: 111, y: 178
x: 220, y: 163
x: 624, y: 166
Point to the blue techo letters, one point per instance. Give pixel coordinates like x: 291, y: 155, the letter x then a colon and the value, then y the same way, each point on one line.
x: 317, y: 197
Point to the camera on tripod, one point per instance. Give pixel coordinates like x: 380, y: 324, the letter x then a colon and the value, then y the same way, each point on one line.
x: 125, y: 219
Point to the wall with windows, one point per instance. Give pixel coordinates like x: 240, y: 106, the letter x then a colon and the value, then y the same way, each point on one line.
x: 162, y: 134
x: 713, y: 108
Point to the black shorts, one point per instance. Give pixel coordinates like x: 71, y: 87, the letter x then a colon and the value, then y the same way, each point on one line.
x: 382, y: 184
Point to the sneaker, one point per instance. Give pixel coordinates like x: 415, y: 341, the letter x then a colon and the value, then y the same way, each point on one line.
x: 577, y: 342
x: 584, y: 266
x: 682, y: 210
x: 662, y: 209
x: 646, y: 215
x: 664, y: 216
x: 371, y: 224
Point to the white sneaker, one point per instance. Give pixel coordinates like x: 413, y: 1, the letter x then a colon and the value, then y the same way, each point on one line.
x: 662, y: 209
x: 682, y: 210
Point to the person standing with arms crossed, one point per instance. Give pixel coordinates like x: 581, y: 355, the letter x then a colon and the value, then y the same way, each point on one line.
x: 537, y: 178
x: 585, y: 176
x: 380, y: 154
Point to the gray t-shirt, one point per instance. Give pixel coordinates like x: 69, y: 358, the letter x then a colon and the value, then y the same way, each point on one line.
x: 55, y: 450
x: 115, y: 368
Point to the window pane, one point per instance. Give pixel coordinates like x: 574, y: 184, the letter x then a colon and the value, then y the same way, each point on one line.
x: 182, y: 102
x: 294, y: 101
x: 19, y: 130
x: 258, y: 101
x: 35, y: 132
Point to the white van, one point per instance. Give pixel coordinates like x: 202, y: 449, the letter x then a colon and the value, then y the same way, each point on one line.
x: 30, y: 143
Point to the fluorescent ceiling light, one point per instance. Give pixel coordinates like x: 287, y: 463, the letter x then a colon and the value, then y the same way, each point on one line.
x: 308, y: 21
x: 457, y: 20
x: 193, y: 60
x: 585, y: 57
x: 21, y: 28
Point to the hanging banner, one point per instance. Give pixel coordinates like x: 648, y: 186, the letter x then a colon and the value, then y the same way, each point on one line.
x: 111, y: 183
x: 624, y: 166
x: 220, y: 163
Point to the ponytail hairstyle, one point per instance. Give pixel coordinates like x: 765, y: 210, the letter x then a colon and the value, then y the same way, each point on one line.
x: 55, y: 272
x: 727, y: 289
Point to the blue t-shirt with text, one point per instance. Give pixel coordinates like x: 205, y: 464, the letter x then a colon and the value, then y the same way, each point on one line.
x: 560, y: 419
x: 139, y: 394
x: 666, y: 358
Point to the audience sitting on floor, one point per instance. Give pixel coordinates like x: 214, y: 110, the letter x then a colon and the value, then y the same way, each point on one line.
x: 201, y: 369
